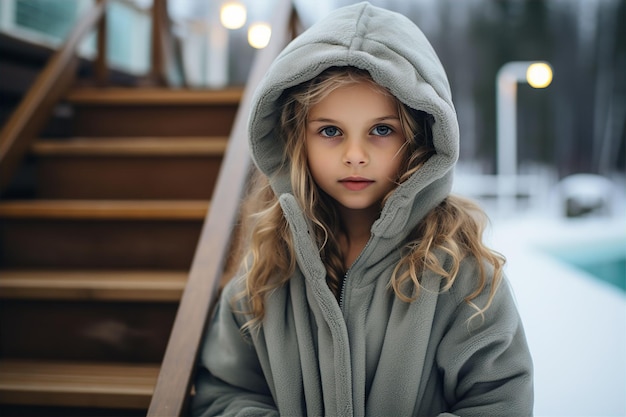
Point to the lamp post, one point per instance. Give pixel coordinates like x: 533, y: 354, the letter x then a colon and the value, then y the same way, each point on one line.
x: 232, y: 15
x: 538, y: 75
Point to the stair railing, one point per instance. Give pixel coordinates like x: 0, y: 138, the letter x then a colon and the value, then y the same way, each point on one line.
x: 37, y: 105
x: 173, y: 387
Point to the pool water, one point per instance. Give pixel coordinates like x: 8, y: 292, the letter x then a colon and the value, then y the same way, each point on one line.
x: 604, y: 260
x: 613, y: 272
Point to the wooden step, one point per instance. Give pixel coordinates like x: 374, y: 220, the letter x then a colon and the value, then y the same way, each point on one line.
x: 153, y: 111
x: 77, y: 384
x: 154, y: 96
x: 147, y: 286
x: 100, y: 234
x: 128, y: 168
x: 89, y: 315
x: 88, y: 330
x: 104, y: 209
x: 132, y: 146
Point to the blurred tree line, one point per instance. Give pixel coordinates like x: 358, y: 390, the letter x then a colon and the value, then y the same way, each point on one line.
x: 578, y: 123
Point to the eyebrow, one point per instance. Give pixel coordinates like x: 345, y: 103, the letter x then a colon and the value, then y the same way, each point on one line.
x: 327, y: 120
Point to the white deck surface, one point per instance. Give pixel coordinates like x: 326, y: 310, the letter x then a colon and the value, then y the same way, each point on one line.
x: 575, y: 323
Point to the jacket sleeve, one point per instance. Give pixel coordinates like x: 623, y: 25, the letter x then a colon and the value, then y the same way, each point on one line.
x: 229, y: 380
x: 486, y: 364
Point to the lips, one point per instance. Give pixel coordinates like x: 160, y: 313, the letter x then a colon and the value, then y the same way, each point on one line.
x: 356, y: 183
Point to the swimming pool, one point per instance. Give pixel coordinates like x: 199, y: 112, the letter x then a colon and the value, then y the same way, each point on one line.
x: 604, y: 259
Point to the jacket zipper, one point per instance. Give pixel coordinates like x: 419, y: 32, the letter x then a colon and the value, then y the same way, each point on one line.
x: 343, y: 289
x: 345, y: 277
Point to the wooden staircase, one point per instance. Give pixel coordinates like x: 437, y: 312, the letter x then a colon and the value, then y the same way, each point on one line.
x: 94, y: 262
x: 116, y: 228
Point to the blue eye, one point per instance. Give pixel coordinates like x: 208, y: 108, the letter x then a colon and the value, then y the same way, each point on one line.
x: 382, y: 130
x: 330, y: 131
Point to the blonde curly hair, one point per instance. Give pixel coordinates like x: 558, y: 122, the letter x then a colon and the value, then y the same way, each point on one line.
x: 455, y: 226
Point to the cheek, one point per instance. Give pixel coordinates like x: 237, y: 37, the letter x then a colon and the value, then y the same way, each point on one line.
x: 318, y: 166
x: 393, y: 170
x: 395, y: 161
x: 317, y: 163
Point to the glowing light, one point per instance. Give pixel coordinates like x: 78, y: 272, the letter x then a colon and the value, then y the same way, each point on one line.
x: 259, y: 35
x: 539, y: 75
x: 233, y: 15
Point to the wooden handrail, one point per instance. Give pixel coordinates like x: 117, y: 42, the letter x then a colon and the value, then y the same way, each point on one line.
x: 36, y: 107
x: 174, y: 383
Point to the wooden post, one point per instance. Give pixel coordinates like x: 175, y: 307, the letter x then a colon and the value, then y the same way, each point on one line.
x: 101, y: 69
x: 159, y: 22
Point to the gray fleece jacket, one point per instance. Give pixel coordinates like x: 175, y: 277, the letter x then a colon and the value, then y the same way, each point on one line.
x: 371, y: 354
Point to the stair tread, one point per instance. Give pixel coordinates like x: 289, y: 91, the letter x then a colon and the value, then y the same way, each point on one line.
x: 133, y: 146
x: 154, y: 96
x: 76, y: 384
x: 106, y: 209
x: 115, y: 285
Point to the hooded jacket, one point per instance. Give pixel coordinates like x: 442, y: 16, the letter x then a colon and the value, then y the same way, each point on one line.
x: 371, y: 353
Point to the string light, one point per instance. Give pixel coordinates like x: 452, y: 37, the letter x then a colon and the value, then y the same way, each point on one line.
x: 259, y: 35
x: 233, y: 15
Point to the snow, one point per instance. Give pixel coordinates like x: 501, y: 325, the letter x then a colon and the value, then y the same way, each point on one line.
x: 575, y: 323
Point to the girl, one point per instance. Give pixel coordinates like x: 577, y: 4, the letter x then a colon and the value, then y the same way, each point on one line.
x: 366, y: 289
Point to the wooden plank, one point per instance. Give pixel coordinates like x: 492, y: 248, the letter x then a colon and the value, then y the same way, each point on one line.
x: 128, y: 168
x: 120, y: 96
x: 104, y: 209
x: 85, y: 330
x: 93, y: 285
x: 127, y: 177
x: 145, y: 119
x: 76, y: 384
x: 130, y: 146
x: 103, y: 244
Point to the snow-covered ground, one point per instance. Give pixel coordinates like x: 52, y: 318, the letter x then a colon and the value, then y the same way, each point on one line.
x: 575, y: 322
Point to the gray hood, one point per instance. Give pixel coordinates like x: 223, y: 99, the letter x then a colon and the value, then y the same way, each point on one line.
x: 399, y: 57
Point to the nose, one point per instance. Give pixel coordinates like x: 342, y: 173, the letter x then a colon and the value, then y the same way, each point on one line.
x: 355, y: 154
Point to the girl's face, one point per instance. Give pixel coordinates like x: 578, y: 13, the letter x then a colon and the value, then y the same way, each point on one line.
x: 354, y: 145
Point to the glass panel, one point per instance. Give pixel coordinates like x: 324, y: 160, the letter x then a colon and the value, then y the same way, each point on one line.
x: 51, y: 17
